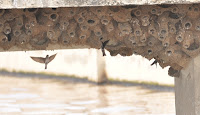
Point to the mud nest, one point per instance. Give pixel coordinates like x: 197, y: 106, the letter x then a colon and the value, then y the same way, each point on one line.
x: 168, y: 33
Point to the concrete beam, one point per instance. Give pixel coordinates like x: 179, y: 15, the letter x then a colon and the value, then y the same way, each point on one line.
x: 187, y: 89
x: 6, y: 4
x: 49, y: 47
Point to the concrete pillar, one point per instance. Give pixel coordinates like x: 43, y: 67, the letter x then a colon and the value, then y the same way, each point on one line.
x: 187, y: 89
x: 101, y: 72
x: 97, y: 67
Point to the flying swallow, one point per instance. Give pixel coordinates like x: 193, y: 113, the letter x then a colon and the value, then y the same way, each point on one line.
x: 45, y: 60
x: 103, y: 47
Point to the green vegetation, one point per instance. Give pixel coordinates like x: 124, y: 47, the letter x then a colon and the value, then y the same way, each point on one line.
x: 42, y: 73
x: 110, y: 80
x: 140, y: 82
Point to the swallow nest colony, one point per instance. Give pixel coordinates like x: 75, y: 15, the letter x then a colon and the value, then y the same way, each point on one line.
x: 168, y: 33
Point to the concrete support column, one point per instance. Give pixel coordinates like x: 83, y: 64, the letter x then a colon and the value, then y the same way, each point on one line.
x: 187, y: 89
x: 97, y: 65
x: 101, y: 72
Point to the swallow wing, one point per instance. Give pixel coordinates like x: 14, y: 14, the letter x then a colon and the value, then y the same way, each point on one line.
x: 52, y: 57
x: 155, y: 62
x: 104, y: 43
x: 38, y: 59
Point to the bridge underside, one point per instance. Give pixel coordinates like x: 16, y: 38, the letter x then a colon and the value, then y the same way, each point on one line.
x: 167, y: 33
x: 10, y: 4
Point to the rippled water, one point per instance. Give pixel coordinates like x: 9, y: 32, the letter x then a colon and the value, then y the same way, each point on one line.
x: 34, y: 96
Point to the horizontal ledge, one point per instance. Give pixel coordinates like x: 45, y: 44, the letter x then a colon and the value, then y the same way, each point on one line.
x: 8, y: 4
x: 50, y: 47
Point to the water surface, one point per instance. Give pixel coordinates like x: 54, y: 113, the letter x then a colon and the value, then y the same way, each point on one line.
x: 21, y: 95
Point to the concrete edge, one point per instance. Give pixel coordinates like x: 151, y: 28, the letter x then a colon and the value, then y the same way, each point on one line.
x: 10, y: 4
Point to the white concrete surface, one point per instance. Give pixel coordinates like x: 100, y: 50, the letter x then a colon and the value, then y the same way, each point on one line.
x: 82, y: 63
x: 74, y: 3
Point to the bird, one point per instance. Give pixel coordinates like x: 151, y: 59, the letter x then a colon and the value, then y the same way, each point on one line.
x: 103, y: 47
x: 155, y: 62
x: 45, y: 60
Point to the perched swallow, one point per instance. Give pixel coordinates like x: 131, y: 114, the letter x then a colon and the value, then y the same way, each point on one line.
x: 45, y: 60
x: 103, y: 47
x: 155, y: 62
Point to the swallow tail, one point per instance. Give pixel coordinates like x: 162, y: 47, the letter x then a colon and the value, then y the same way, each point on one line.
x: 103, y: 52
x: 45, y: 66
x: 103, y: 47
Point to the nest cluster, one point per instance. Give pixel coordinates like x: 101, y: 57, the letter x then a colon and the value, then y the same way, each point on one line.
x: 168, y: 33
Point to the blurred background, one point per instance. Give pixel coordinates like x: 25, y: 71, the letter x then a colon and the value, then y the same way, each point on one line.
x: 69, y: 85
x: 83, y: 63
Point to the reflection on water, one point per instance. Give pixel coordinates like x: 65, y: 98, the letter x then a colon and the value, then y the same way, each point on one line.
x: 33, y: 96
